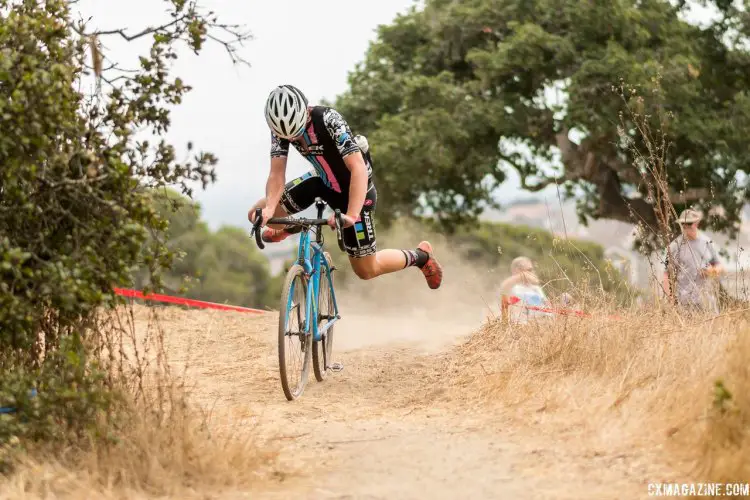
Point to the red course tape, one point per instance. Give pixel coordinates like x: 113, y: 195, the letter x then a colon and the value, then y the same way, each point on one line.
x: 563, y: 312
x: 136, y: 294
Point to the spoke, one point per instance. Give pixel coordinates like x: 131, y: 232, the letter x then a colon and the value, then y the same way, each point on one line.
x: 299, y: 317
x: 295, y: 335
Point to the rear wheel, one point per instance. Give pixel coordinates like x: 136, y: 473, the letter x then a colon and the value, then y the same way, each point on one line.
x: 323, y: 348
x: 294, y: 344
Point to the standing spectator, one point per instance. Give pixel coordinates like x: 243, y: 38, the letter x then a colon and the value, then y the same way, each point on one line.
x: 695, y: 262
x: 523, y: 284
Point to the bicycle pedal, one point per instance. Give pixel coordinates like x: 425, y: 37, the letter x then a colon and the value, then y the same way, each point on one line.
x: 336, y: 367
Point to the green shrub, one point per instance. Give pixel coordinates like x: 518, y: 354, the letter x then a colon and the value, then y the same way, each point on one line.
x: 77, y: 173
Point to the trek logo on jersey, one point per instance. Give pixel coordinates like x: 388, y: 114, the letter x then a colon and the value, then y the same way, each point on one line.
x: 313, y: 149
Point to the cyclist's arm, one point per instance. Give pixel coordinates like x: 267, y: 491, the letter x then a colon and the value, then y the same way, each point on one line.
x: 342, y: 135
x: 277, y: 175
x: 275, y: 182
x: 358, y: 184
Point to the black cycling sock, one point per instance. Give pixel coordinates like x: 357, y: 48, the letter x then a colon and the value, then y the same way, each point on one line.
x: 416, y: 257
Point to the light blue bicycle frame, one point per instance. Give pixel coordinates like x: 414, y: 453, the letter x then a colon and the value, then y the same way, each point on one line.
x: 310, y: 257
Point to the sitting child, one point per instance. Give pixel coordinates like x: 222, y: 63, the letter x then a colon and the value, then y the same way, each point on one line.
x: 520, y: 290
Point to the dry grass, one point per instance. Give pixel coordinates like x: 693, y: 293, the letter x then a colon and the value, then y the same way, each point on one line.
x: 179, y: 458
x: 162, y: 445
x: 644, y: 381
x: 725, y: 441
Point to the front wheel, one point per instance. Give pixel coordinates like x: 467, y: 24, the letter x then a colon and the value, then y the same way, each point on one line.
x: 295, y: 342
x: 323, y: 348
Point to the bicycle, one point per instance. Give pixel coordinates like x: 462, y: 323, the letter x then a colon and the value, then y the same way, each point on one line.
x: 302, y: 298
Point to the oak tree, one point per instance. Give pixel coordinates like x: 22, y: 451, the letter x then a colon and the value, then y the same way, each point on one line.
x: 456, y: 93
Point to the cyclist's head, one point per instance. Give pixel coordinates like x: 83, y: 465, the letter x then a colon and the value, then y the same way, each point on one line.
x: 286, y: 111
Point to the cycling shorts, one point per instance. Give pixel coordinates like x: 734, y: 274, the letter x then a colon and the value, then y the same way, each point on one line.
x: 359, y: 239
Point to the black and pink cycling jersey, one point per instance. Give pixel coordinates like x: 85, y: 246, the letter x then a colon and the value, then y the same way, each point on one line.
x: 325, y: 143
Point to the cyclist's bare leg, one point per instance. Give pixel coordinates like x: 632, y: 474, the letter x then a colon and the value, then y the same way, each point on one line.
x: 383, y: 262
x: 391, y: 260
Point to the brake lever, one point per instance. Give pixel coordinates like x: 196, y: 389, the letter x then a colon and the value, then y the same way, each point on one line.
x: 339, y: 229
x: 256, y: 228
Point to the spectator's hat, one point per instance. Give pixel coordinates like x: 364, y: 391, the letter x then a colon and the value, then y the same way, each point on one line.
x: 689, y: 216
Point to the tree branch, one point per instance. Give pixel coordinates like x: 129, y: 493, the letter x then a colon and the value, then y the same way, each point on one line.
x: 233, y: 30
x: 583, y: 164
x: 142, y: 33
x: 543, y: 183
x: 580, y: 158
x: 229, y: 46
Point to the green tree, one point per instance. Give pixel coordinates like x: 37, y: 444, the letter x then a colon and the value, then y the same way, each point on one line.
x: 235, y: 272
x: 75, y: 177
x: 456, y: 93
x: 221, y: 266
x: 185, y: 235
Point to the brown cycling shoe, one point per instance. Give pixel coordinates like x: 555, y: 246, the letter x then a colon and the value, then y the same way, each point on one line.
x: 271, y: 235
x: 432, y: 270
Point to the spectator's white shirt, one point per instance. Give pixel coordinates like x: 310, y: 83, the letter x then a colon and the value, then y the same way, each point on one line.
x: 530, y: 295
x: 690, y: 256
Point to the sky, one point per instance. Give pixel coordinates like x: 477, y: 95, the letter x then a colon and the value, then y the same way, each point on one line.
x: 310, y: 44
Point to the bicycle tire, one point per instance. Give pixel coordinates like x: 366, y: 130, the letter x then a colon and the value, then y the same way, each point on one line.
x: 323, y: 349
x: 295, y: 276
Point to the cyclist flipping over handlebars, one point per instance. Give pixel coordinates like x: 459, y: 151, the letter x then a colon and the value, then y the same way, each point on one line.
x: 341, y: 176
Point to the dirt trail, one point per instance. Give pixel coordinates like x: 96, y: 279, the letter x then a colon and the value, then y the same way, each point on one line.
x: 375, y: 430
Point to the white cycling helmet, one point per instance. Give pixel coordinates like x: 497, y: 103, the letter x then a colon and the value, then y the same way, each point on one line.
x: 286, y: 111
